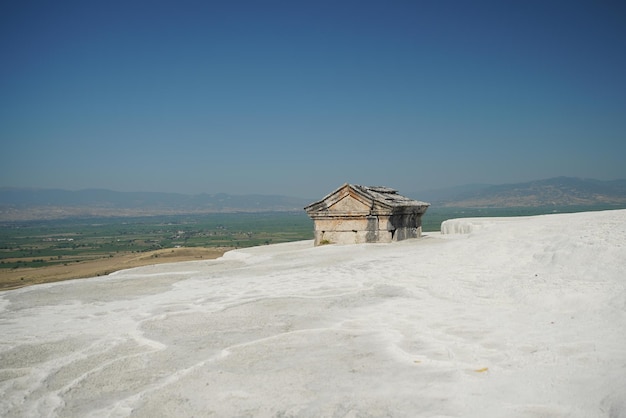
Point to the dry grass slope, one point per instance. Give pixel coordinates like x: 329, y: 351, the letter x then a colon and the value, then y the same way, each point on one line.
x: 13, y: 279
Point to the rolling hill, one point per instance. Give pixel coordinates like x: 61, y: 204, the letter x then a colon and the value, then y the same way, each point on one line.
x: 26, y: 204
x: 22, y: 203
x: 559, y: 191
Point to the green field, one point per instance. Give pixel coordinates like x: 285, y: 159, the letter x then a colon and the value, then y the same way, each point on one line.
x: 39, y: 243
x: 45, y: 243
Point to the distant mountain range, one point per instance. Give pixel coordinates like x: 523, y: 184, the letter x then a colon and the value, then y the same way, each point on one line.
x: 27, y: 204
x: 23, y: 203
x: 559, y: 191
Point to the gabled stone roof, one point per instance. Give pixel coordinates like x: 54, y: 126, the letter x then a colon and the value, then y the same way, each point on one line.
x: 376, y: 198
x: 387, y: 196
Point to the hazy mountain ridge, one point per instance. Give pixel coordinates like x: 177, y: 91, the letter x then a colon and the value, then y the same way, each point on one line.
x: 24, y: 204
x: 558, y: 191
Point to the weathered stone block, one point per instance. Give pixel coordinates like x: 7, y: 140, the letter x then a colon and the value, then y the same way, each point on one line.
x: 356, y: 214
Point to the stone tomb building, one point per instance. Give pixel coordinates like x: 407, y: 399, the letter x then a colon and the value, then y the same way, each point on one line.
x: 355, y: 214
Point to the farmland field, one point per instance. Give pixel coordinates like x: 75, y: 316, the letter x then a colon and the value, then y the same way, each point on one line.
x: 27, y: 248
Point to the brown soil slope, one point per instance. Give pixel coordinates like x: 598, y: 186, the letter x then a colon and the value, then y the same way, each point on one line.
x: 12, y: 279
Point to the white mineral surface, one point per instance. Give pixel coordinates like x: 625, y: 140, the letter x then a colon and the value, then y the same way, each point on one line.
x: 506, y: 317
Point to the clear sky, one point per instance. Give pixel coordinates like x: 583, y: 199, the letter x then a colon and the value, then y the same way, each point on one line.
x: 299, y: 97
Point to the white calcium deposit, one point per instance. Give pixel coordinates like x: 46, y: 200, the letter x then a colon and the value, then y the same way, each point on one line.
x: 507, y: 317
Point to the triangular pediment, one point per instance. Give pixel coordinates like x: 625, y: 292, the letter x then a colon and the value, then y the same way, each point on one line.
x: 345, y: 201
x: 349, y: 204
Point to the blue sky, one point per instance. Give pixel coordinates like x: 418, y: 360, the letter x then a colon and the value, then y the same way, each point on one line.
x: 299, y: 97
